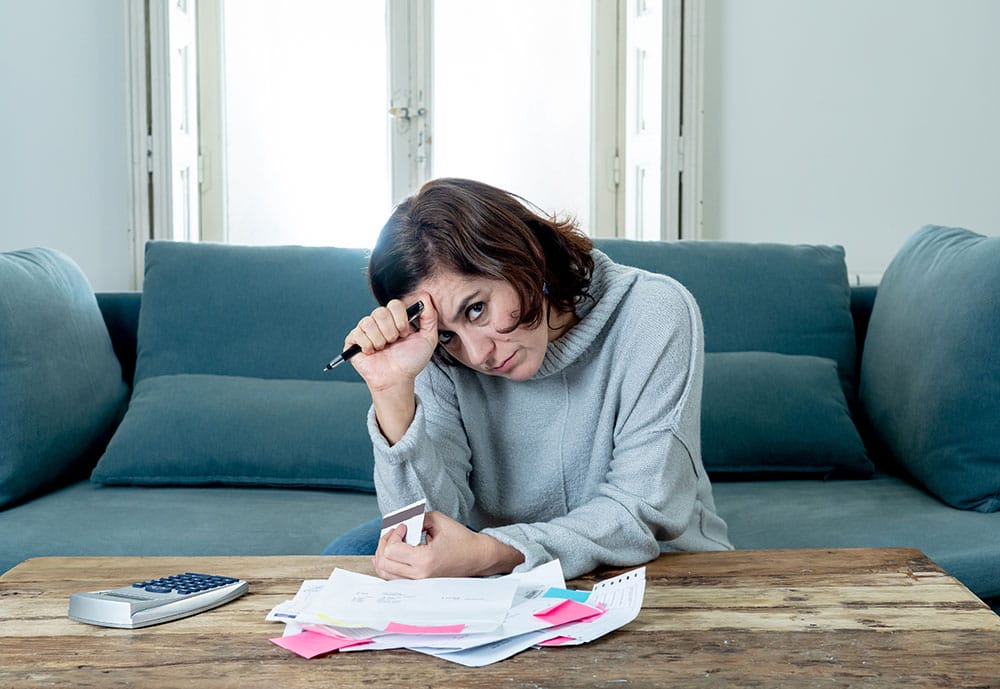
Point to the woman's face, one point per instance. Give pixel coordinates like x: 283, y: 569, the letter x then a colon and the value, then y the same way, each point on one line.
x: 474, y: 317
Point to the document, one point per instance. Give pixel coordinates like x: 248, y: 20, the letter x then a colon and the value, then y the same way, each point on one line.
x: 532, y: 588
x: 444, y: 605
x: 289, y: 610
x: 621, y: 597
x: 470, y: 621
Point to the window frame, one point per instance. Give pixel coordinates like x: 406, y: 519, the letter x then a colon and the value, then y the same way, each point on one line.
x: 410, y: 31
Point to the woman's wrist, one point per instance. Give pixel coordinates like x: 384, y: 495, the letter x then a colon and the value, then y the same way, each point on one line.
x: 395, y: 409
x: 499, y: 558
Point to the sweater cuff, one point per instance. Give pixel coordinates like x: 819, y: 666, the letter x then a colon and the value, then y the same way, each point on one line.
x: 513, y: 536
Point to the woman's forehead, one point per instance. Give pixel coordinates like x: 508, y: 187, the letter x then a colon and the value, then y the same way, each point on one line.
x: 449, y: 288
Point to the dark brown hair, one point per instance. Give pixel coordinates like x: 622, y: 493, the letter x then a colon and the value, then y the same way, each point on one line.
x: 478, y: 230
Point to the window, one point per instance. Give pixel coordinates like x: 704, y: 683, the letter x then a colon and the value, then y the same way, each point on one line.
x: 305, y: 122
x: 512, y: 98
x: 316, y: 117
x: 310, y: 108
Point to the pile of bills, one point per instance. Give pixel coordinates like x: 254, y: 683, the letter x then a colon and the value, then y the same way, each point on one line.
x: 471, y: 621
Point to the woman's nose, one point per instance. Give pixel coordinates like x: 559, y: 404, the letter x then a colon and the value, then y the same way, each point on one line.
x: 479, y: 349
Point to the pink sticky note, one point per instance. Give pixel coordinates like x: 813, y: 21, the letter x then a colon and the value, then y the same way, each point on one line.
x: 326, y: 631
x: 567, y: 611
x: 556, y: 641
x: 311, y: 644
x: 400, y: 628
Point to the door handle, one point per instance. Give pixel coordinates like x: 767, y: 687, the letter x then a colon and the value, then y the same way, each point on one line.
x: 403, y: 113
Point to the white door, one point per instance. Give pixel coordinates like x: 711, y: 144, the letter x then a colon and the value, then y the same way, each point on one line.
x: 662, y: 123
x: 173, y: 120
x: 643, y: 118
x: 410, y: 40
x: 184, y: 120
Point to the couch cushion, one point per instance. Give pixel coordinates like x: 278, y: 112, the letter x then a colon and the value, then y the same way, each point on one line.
x: 204, y: 429
x: 767, y: 413
x: 789, y: 299
x: 88, y: 519
x: 261, y: 311
x: 61, y: 388
x: 930, y: 379
x: 880, y: 512
x: 229, y: 380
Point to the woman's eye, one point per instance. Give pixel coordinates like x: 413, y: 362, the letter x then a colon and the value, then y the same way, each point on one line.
x: 475, y: 310
x: 444, y: 337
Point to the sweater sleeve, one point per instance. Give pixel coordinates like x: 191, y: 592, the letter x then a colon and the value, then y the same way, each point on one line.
x: 432, y: 459
x: 654, y: 485
x: 618, y: 527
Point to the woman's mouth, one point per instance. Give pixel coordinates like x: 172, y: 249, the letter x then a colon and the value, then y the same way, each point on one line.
x: 504, y: 366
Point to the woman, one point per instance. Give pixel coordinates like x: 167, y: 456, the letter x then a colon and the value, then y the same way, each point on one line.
x: 548, y: 398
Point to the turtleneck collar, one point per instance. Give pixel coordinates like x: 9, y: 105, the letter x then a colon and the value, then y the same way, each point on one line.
x: 608, y: 286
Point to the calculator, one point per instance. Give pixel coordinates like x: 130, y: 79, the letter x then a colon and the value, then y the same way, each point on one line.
x: 154, y: 601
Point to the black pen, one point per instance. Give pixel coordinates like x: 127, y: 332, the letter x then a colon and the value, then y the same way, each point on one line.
x: 412, y: 312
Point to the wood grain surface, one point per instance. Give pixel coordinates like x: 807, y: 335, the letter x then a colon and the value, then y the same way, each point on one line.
x: 790, y: 618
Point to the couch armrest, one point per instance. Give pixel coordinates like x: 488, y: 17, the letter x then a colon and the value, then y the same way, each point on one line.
x: 862, y: 300
x: 121, y: 316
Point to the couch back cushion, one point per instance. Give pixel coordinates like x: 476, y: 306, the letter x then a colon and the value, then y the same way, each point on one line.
x: 229, y: 380
x: 930, y: 378
x: 780, y: 358
x: 61, y: 388
x: 266, y: 312
x: 777, y: 414
x: 198, y: 429
x: 788, y: 299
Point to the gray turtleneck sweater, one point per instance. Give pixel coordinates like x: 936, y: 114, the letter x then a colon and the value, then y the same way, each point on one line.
x: 596, y: 460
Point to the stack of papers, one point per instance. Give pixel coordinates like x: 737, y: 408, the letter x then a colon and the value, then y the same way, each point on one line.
x: 469, y: 621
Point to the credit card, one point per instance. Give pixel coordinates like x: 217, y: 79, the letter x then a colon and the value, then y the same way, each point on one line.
x: 412, y: 515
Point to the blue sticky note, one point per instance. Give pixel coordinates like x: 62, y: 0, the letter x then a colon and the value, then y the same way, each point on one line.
x: 578, y: 596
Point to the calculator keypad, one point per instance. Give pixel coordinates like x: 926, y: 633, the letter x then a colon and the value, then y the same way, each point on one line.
x: 184, y: 584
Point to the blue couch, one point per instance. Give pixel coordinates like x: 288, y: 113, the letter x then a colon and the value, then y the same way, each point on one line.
x: 834, y: 416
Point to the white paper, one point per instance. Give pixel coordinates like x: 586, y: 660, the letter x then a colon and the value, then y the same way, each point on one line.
x: 497, y: 614
x: 621, y: 596
x: 289, y: 610
x: 535, y: 582
x: 351, y: 599
x: 520, y: 620
x: 489, y: 653
x: 531, y: 586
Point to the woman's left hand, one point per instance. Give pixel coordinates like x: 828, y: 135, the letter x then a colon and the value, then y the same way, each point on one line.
x: 450, y: 550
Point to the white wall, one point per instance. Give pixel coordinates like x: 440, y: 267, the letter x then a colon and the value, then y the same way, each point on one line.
x: 63, y: 136
x: 830, y: 121
x: 851, y: 122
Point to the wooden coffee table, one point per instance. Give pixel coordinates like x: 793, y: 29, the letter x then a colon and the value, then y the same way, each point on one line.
x: 795, y: 618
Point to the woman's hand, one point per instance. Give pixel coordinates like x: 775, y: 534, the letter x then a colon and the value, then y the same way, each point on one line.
x: 392, y: 351
x: 450, y: 550
x: 392, y: 354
